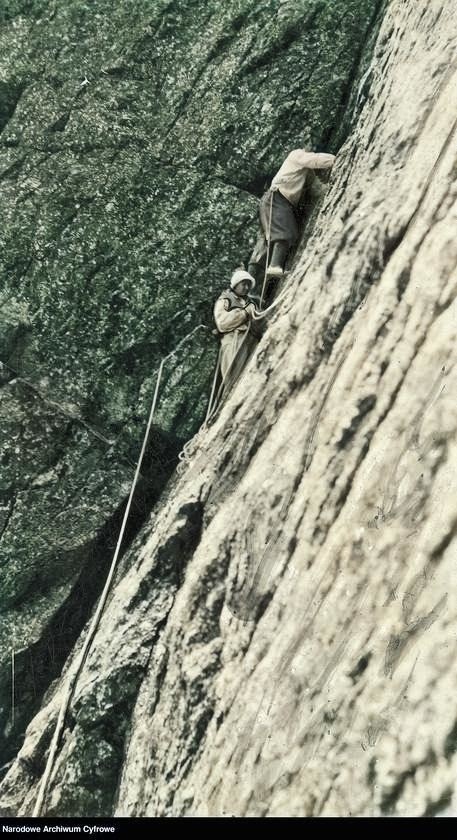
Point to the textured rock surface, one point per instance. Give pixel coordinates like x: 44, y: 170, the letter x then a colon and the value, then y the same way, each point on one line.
x: 281, y: 635
x: 134, y: 139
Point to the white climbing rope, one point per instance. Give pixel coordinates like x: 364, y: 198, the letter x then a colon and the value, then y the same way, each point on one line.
x: 13, y: 687
x: 211, y: 399
x: 257, y: 316
x: 70, y: 687
x: 95, y: 621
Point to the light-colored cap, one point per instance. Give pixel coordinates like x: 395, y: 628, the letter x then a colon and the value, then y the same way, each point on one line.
x: 239, y: 275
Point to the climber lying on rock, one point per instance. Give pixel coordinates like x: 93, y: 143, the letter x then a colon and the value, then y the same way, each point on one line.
x: 278, y: 207
x: 239, y: 333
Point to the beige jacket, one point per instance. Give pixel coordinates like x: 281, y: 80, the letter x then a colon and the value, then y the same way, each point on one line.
x: 232, y: 316
x: 229, y: 317
x: 290, y: 179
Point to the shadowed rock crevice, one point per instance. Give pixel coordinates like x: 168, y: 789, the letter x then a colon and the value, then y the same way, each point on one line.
x: 9, y: 98
x: 358, y: 82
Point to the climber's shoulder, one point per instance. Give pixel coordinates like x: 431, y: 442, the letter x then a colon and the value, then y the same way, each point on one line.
x: 231, y: 300
x: 226, y: 294
x: 298, y: 154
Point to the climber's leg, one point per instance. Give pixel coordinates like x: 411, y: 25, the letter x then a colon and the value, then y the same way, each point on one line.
x: 279, y: 252
x: 279, y: 221
x: 258, y: 257
x: 229, y: 346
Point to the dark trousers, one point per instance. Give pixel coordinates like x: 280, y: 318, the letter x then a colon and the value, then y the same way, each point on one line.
x: 277, y: 217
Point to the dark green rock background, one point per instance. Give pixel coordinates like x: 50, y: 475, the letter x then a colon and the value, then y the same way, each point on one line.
x: 126, y: 202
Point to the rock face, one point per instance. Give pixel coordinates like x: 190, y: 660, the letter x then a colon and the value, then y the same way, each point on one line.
x: 280, y: 634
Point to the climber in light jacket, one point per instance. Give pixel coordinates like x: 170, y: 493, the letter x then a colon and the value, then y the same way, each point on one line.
x: 238, y: 332
x: 278, y: 205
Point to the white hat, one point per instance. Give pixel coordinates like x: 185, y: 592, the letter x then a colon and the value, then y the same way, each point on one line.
x: 239, y: 275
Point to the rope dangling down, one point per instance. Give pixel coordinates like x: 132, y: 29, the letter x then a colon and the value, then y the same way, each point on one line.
x: 70, y: 687
x: 211, y: 399
x: 95, y: 621
x: 215, y: 398
x: 184, y: 454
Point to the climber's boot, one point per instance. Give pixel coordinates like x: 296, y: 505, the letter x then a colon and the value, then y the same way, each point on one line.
x: 278, y: 258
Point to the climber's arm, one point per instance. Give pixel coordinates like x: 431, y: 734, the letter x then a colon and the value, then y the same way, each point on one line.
x: 313, y: 160
x: 227, y: 320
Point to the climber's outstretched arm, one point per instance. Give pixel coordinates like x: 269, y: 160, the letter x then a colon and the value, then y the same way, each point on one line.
x: 312, y: 160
